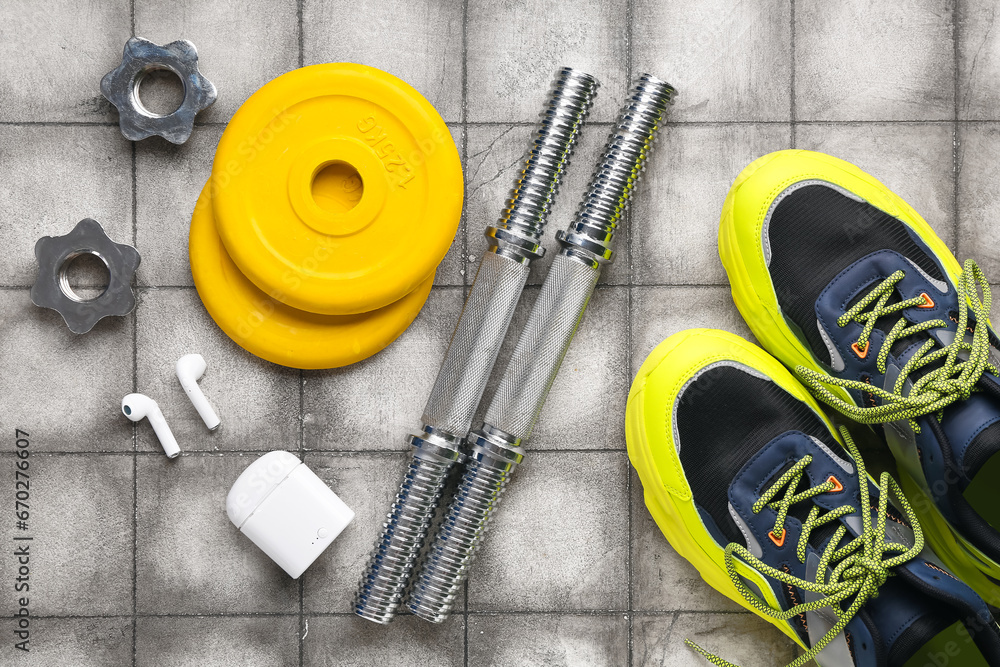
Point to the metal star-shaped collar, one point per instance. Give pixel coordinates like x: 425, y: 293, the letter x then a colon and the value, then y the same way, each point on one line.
x: 121, y: 87
x: 52, y: 290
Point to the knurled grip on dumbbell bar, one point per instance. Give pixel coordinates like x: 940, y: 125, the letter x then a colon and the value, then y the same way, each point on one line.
x: 489, y: 308
x: 543, y: 343
x: 496, y: 448
x: 475, y: 344
x: 503, y: 270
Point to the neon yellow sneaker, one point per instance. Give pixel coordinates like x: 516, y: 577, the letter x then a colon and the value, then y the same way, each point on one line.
x: 848, y: 286
x: 749, y: 481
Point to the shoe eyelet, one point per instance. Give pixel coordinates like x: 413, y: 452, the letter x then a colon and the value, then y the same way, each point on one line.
x: 862, y: 353
x: 928, y: 301
x: 779, y: 542
x: 837, y: 486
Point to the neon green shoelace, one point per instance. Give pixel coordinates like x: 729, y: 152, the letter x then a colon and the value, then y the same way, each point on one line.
x: 859, y: 568
x: 952, y: 381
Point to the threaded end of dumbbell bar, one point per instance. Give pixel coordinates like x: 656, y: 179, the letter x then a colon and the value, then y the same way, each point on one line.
x: 531, y: 199
x: 620, y: 168
x: 391, y: 562
x: 444, y: 569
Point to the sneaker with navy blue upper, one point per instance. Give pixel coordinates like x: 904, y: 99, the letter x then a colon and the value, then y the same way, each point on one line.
x: 850, y: 288
x: 750, y: 482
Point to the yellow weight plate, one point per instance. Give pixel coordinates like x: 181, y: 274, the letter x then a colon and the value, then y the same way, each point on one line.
x: 337, y: 188
x: 279, y: 333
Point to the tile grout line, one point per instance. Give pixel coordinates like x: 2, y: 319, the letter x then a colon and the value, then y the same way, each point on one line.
x: 302, y: 456
x: 348, y: 614
x: 135, y: 388
x: 956, y: 145
x: 593, y: 123
x: 299, y: 12
x: 316, y: 452
x: 792, y: 110
x: 464, y: 264
x: 629, y: 67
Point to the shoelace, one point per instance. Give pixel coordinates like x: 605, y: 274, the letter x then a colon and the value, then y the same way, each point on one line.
x: 952, y: 381
x: 859, y: 567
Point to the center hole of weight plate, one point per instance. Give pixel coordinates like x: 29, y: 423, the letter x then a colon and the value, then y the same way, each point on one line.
x: 84, y: 276
x: 159, y: 91
x: 337, y: 187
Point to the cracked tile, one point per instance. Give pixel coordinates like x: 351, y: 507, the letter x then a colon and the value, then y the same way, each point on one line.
x: 978, y: 60
x: 914, y: 160
x: 418, y: 41
x: 740, y: 638
x: 552, y: 546
x: 81, y: 642
x: 217, y: 642
x: 55, y: 54
x: 268, y: 44
x: 375, y: 403
x: 728, y: 60
x: 676, y: 225
x: 858, y: 60
x: 978, y: 200
x: 659, y: 312
x: 516, y: 47
x: 80, y: 525
x: 190, y: 558
x: 554, y: 640
x: 53, y: 178
x: 496, y: 153
x: 335, y: 641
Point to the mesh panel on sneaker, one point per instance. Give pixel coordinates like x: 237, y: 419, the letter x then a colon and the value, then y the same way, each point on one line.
x: 917, y: 635
x: 814, y: 234
x: 725, y: 417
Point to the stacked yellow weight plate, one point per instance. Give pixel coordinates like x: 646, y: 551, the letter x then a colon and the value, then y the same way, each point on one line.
x: 335, y: 192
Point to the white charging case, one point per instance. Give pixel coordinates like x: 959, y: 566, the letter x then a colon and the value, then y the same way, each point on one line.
x: 286, y: 510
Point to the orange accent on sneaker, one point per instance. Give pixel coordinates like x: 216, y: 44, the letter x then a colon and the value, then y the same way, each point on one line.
x: 779, y: 542
x: 928, y: 301
x: 858, y: 351
x: 837, y: 486
x: 938, y: 569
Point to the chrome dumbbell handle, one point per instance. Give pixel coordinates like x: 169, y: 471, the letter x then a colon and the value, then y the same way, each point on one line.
x: 496, y: 448
x: 501, y: 276
x: 515, y: 242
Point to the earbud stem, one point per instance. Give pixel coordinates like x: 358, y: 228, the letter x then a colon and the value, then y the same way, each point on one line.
x: 165, y: 435
x: 205, y: 410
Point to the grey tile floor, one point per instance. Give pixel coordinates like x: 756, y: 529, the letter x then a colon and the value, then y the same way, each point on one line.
x: 135, y: 560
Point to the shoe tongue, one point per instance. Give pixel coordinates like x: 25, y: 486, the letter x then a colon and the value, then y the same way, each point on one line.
x: 973, y: 425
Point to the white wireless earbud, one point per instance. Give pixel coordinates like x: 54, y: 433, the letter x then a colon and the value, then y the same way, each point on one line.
x: 190, y: 367
x: 138, y: 406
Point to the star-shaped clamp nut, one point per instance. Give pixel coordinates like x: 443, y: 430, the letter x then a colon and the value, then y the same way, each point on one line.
x: 121, y: 87
x: 52, y: 290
